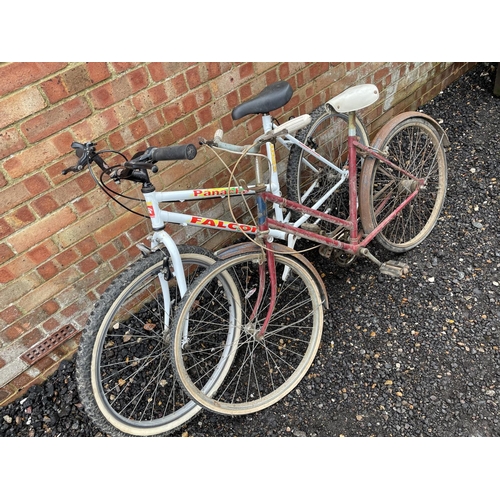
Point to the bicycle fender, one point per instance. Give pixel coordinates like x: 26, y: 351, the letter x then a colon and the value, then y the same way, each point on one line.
x: 404, y: 116
x: 249, y: 246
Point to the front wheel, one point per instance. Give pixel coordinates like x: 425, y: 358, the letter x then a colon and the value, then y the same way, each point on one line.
x: 416, y: 146
x: 123, y: 369
x: 253, y: 371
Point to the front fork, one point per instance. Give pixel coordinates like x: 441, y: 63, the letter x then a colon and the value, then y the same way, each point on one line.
x: 163, y: 238
x: 268, y: 262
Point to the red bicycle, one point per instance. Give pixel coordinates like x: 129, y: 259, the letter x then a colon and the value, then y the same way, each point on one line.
x: 253, y: 321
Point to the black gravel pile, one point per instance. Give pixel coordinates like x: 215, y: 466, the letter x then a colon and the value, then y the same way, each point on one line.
x: 418, y: 356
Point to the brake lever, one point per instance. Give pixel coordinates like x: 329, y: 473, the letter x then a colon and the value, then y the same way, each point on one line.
x: 142, y: 160
x: 76, y: 168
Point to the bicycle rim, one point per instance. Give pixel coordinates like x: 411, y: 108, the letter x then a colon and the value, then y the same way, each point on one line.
x: 261, y: 371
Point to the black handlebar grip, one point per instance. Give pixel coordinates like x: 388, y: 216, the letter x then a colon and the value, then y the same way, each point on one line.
x: 183, y: 152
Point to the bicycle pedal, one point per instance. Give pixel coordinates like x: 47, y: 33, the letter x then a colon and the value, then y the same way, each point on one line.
x: 394, y: 268
x: 325, y: 251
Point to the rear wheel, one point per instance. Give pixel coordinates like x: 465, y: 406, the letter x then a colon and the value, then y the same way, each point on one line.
x: 415, y: 145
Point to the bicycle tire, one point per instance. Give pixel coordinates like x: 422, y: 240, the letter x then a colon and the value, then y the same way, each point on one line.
x: 415, y: 144
x: 123, y: 370
x: 261, y: 372
x: 327, y: 135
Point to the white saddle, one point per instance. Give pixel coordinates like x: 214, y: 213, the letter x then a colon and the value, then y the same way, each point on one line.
x: 354, y: 98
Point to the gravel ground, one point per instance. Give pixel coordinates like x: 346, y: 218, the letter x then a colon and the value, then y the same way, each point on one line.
x: 418, y: 356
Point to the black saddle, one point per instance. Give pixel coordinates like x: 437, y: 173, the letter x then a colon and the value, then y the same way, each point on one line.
x: 272, y: 97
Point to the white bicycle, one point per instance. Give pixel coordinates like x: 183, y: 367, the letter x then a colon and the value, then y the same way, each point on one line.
x: 125, y: 376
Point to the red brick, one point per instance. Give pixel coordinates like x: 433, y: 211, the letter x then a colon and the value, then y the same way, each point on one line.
x: 172, y: 112
x: 87, y: 265
x: 103, y: 122
x: 44, y: 228
x: 120, y: 67
x: 193, y: 77
x: 31, y: 338
x: 20, y: 218
x: 5, y: 253
x: 22, y: 382
x: 189, y: 103
x: 45, y: 205
x: 16, y: 75
x: 150, y: 98
x: 8, y: 273
x: 98, y: 71
x: 56, y: 119
x: 232, y: 99
x: 163, y: 138
x: 5, y: 228
x: 31, y: 159
x: 246, y: 92
x: 84, y: 227
x: 47, y: 366
x: 75, y: 80
x: 51, y: 325
x: 67, y: 83
x: 20, y: 105
x: 36, y: 184
x: 67, y: 257
x: 205, y: 115
x: 179, y: 86
x: 103, y: 96
x: 284, y: 71
x: 48, y: 290
x: 10, y: 142
x: 213, y: 70
x: 117, y: 90
x: 83, y: 205
x: 42, y: 252
x: 87, y: 184
x: 138, y: 232
x: 13, y: 196
x: 182, y: 129
x: 119, y: 263
x: 108, y: 251
x: 50, y: 307
x: 87, y: 246
x: 138, y: 129
x: 115, y: 227
x: 246, y: 70
x: 16, y: 268
x: 48, y: 270
x: 10, y: 314
x: 164, y: 71
x: 71, y: 310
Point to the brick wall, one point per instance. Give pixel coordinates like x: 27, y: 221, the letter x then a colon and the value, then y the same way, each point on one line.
x: 61, y: 239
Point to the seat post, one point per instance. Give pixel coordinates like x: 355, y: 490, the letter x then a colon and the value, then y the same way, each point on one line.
x: 353, y: 191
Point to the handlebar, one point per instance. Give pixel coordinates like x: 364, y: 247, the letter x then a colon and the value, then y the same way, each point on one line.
x: 87, y: 154
x: 184, y: 152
